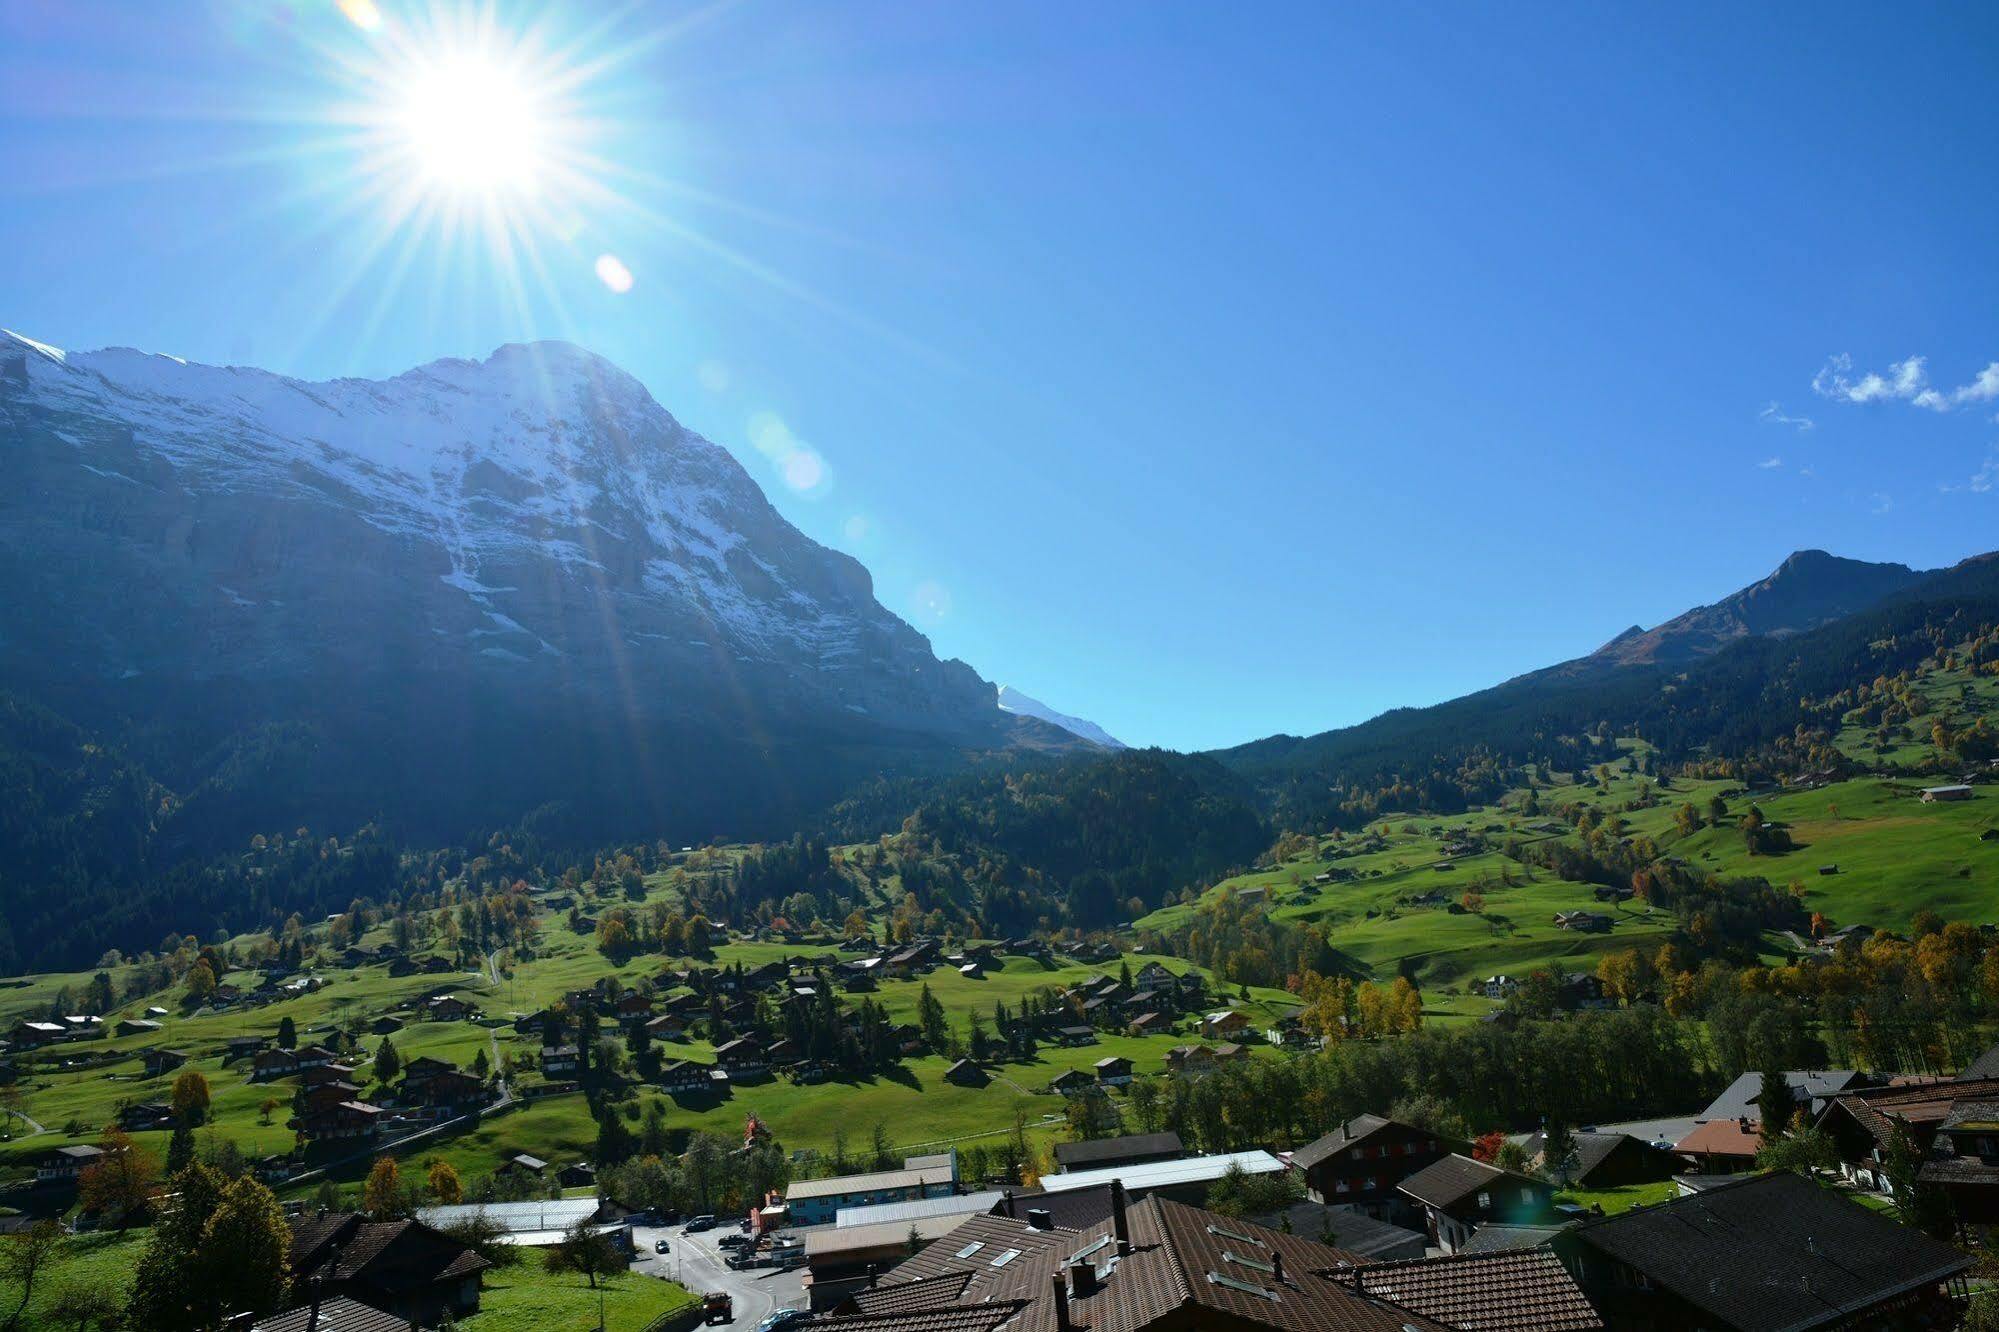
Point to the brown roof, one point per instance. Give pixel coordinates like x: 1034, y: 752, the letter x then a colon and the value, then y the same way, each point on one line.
x: 338, y: 1314
x: 1773, y: 1251
x: 931, y: 1293
x: 1721, y: 1137
x: 1185, y: 1264
x: 964, y: 1318
x: 1525, y: 1290
x: 389, y: 1256
x: 1450, y: 1181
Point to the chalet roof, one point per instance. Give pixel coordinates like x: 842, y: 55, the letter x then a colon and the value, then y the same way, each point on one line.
x: 1773, y: 1251
x: 1347, y: 1135
x: 1353, y: 1232
x: 392, y: 1256
x: 1450, y: 1181
x: 1094, y: 1152
x: 1187, y: 1267
x: 1524, y: 1290
x: 1592, y: 1150
x: 872, y: 1182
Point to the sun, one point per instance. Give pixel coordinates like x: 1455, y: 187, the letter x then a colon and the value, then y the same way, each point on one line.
x: 470, y: 124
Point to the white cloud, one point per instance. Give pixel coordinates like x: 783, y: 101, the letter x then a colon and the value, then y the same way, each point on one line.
x: 1906, y: 381
x: 1769, y: 463
x: 1882, y: 501
x: 1772, y: 414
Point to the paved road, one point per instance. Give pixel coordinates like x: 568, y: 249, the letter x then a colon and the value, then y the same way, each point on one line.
x: 697, y: 1264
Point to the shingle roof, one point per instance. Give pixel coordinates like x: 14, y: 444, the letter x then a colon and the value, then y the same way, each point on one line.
x: 1773, y: 1251
x: 1455, y: 1178
x: 1095, y: 1151
x: 1520, y: 1291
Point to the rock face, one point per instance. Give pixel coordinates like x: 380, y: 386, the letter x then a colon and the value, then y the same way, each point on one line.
x: 1807, y: 590
x: 452, y: 596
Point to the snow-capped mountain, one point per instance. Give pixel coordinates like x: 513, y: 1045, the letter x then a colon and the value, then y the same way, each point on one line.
x: 1012, y: 700
x: 523, y: 561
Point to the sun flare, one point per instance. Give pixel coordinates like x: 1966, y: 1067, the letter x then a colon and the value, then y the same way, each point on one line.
x: 470, y: 124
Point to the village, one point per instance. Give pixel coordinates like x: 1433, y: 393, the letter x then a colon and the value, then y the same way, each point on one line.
x: 1065, y: 1220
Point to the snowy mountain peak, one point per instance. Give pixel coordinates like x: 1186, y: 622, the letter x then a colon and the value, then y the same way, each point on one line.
x: 530, y: 520
x: 1021, y: 705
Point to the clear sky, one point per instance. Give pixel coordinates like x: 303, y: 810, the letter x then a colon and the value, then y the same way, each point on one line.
x: 1204, y: 370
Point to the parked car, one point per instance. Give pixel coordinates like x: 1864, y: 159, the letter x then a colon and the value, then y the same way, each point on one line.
x: 698, y: 1224
x: 785, y: 1318
x: 734, y: 1242
x: 660, y: 1246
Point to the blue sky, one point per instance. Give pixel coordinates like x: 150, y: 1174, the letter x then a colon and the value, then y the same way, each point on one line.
x: 1206, y: 371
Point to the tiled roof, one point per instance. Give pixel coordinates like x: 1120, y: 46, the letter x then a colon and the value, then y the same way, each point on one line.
x: 338, y: 1314
x: 1592, y: 1150
x: 1773, y: 1251
x: 1353, y: 1232
x: 961, y: 1318
x: 1185, y: 1264
x: 1519, y: 1291
x: 933, y: 1293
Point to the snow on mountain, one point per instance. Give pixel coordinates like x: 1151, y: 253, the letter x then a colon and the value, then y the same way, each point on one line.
x: 529, y: 542
x: 1012, y: 700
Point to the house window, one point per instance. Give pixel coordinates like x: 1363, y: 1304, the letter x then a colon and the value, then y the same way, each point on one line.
x: 1527, y: 1196
x: 1340, y: 1186
x: 1359, y: 1152
x: 1370, y: 1183
x: 1484, y: 1200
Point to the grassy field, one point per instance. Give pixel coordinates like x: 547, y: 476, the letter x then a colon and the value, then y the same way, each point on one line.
x: 99, y: 1262
x: 527, y: 1298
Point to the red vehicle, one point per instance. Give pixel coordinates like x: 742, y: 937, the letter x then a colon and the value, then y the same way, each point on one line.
x: 718, y: 1308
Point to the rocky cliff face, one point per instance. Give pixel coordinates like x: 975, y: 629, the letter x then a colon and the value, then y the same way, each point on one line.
x: 518, y: 579
x: 1808, y: 589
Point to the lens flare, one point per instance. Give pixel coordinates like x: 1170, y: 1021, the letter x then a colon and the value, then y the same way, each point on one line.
x: 470, y: 124
x: 611, y: 271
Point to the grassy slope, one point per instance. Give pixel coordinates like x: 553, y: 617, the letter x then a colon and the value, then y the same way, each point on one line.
x: 526, y: 1298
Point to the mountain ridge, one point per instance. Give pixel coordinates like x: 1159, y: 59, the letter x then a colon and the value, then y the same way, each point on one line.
x: 459, y: 593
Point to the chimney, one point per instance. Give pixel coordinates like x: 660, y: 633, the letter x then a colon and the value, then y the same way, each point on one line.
x: 1006, y: 1201
x: 1062, y: 1323
x: 1082, y: 1279
x: 1119, y: 1226
x: 312, y: 1315
x: 1039, y: 1219
x: 1277, y: 1267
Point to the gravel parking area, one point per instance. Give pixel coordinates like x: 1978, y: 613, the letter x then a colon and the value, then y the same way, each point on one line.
x: 698, y: 1264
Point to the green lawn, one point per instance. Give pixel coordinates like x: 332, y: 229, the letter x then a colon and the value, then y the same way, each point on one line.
x: 1621, y: 1199
x: 102, y: 1262
x: 525, y: 1297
